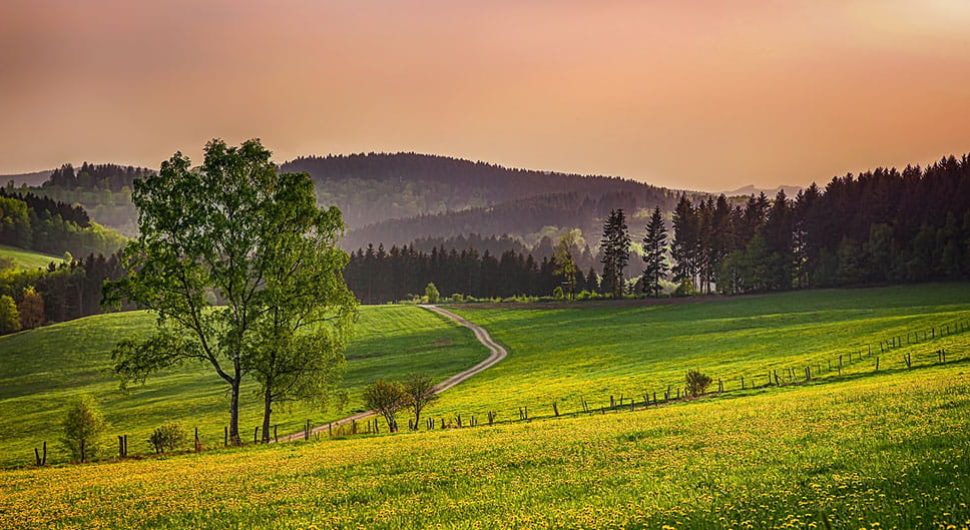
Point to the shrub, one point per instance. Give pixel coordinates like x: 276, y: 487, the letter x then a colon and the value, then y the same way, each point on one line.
x: 697, y: 383
x: 84, y: 427
x: 686, y: 288
x: 168, y: 437
x: 9, y: 315
x: 558, y: 293
x: 431, y: 293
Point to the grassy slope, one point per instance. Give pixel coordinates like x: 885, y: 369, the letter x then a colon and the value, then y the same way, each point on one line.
x: 27, y: 259
x: 40, y: 370
x: 891, y: 448
x: 594, y: 351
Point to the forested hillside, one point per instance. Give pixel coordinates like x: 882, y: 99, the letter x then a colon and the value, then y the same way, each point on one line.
x: 397, y: 198
x: 35, y: 222
x: 370, y: 188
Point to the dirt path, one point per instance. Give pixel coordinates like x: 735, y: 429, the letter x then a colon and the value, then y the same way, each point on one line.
x: 496, y: 353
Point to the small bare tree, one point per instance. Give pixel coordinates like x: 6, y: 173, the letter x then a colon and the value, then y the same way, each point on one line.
x: 387, y: 399
x: 419, y: 392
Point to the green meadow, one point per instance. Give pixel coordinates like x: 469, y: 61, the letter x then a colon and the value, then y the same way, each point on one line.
x: 864, y: 448
x: 27, y: 259
x: 43, y: 369
x: 590, y: 351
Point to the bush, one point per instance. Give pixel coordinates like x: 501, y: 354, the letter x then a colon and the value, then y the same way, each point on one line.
x: 167, y: 438
x: 431, y: 294
x: 9, y: 315
x: 558, y: 293
x: 686, y: 288
x: 697, y: 383
x: 84, y: 428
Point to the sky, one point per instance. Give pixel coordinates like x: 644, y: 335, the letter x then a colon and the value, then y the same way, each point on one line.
x: 687, y: 94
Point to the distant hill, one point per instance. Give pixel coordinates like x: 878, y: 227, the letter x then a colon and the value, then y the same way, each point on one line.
x: 30, y: 179
x: 376, y: 187
x: 400, y: 197
x: 751, y: 189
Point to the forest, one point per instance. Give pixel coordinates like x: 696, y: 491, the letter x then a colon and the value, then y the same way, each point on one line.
x: 882, y: 226
x: 35, y: 222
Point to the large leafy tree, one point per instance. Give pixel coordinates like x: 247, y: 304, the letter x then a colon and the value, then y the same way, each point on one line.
x: 210, y: 260
x: 307, y: 309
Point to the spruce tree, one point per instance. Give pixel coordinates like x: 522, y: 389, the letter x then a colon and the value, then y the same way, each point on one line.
x: 616, y: 252
x: 654, y: 254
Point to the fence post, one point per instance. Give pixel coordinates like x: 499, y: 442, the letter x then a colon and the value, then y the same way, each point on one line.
x: 256, y: 436
x: 555, y: 409
x: 225, y: 436
x: 877, y: 363
x: 198, y: 444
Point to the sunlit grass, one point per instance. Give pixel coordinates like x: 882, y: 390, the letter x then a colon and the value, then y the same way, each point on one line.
x: 41, y: 370
x: 888, y: 450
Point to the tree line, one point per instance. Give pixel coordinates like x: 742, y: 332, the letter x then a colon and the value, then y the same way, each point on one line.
x: 878, y: 227
x: 111, y: 177
x: 63, y: 291
x: 378, y: 275
x: 40, y: 223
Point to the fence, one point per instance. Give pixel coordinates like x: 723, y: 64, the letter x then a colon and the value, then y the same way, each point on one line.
x: 831, y: 368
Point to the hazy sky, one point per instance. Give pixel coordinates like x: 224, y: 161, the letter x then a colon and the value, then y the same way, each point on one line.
x: 683, y: 94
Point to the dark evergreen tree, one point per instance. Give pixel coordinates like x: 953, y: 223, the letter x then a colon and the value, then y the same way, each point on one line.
x: 654, y: 254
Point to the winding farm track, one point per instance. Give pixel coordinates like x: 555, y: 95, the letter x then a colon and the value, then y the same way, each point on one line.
x: 497, y: 352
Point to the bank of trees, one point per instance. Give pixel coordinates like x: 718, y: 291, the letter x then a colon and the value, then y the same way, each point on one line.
x: 40, y: 223
x: 878, y: 227
x: 377, y: 275
x: 65, y: 290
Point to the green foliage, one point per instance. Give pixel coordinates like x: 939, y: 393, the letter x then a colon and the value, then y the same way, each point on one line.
x: 9, y: 315
x: 255, y: 238
x: 84, y: 428
x: 419, y: 393
x: 387, y: 398
x: 685, y: 288
x: 557, y: 293
x: 565, y: 266
x: 697, y: 382
x: 168, y: 437
x: 431, y: 294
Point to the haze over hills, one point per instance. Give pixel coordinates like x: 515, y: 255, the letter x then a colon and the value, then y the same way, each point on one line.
x: 751, y: 189
x: 35, y: 178
x: 398, y: 198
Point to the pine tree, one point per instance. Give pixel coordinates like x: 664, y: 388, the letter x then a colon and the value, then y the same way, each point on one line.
x: 684, y: 247
x: 616, y: 252
x: 654, y: 254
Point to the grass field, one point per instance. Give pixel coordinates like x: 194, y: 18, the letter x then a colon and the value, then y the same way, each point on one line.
x: 880, y: 451
x: 864, y: 449
x: 41, y: 370
x: 592, y: 351
x: 26, y: 259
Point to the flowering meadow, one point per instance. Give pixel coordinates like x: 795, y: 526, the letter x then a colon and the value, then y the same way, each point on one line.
x: 881, y: 451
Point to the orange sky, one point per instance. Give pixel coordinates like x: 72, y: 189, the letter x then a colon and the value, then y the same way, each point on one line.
x: 682, y: 94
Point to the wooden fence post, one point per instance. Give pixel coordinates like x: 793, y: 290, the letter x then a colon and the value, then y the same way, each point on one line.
x: 225, y: 436
x: 198, y: 443
x: 256, y: 436
x: 877, y: 363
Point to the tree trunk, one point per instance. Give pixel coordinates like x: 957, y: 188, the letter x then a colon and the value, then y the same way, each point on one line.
x: 267, y: 410
x: 234, y: 413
